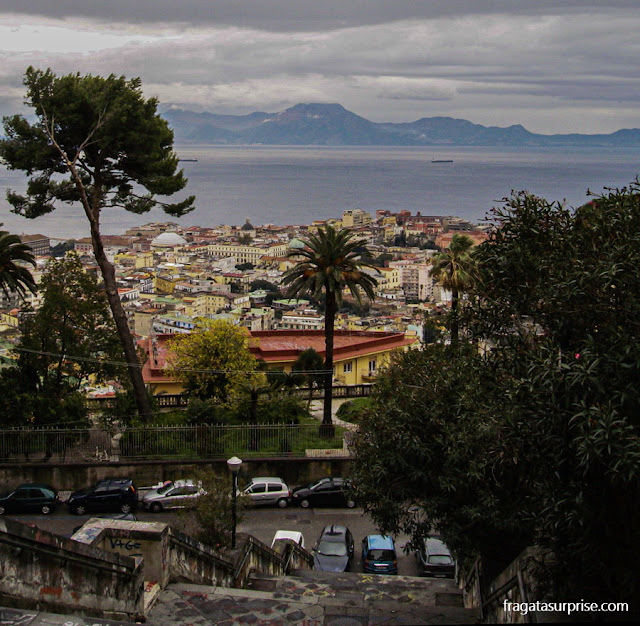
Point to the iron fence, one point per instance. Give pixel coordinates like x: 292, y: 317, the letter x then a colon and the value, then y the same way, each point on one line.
x: 60, y: 445
x: 166, y: 401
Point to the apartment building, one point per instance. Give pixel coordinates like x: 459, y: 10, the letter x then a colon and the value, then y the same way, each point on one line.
x: 246, y: 254
x: 39, y: 244
x: 356, y: 218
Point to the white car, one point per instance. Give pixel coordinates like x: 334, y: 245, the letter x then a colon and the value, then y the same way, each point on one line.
x: 283, y: 537
x: 265, y: 490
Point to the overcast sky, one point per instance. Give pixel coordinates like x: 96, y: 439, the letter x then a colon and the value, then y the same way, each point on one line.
x: 555, y: 66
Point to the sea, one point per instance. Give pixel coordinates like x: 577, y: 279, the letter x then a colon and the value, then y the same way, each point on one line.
x: 295, y: 185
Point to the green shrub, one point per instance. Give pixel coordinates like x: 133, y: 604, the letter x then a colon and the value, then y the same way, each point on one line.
x: 353, y: 410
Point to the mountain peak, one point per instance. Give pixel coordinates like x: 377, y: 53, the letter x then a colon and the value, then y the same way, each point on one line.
x: 330, y: 124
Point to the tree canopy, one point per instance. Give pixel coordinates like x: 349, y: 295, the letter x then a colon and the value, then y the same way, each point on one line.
x: 212, y: 361
x: 528, y: 434
x: 69, y: 341
x: 97, y: 142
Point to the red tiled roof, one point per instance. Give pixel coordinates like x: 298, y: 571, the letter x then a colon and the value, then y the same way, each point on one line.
x: 286, y: 345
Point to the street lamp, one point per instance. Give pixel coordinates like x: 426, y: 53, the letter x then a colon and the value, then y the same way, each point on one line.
x: 234, y: 464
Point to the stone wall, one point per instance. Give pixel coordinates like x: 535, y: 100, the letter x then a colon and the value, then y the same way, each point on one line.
x: 47, y: 572
x: 69, y: 477
x: 143, y: 540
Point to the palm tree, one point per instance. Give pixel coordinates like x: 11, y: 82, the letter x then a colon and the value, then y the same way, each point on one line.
x: 14, y: 255
x: 454, y: 269
x: 331, y: 262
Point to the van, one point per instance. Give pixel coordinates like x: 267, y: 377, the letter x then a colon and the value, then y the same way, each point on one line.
x: 379, y: 555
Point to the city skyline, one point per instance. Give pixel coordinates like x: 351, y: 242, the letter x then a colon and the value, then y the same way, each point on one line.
x: 553, y: 67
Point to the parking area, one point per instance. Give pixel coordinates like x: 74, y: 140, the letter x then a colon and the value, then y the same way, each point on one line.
x: 262, y: 523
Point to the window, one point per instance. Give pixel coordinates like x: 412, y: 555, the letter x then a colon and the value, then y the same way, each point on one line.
x: 261, y: 488
x: 348, y: 367
x: 372, y: 365
x: 273, y: 487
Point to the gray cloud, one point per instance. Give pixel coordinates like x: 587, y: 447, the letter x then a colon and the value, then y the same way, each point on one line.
x: 494, y: 62
x: 295, y: 15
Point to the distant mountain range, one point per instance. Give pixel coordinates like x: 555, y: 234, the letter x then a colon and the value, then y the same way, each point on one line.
x: 333, y: 125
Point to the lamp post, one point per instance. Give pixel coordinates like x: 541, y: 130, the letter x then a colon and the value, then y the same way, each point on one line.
x: 234, y: 464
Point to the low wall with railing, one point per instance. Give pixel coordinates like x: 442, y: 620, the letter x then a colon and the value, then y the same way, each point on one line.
x: 179, y: 400
x: 76, y: 445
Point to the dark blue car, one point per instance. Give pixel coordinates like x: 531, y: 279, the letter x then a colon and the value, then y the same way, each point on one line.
x: 333, y: 550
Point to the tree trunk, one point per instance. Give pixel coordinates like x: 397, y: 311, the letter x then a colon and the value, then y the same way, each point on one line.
x: 329, y: 319
x: 454, y: 317
x: 143, y: 403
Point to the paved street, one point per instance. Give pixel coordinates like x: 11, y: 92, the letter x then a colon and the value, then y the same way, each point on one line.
x: 260, y: 522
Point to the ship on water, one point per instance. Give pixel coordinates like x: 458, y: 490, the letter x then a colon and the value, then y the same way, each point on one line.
x: 442, y: 160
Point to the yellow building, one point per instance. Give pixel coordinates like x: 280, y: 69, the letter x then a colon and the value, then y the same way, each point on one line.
x: 358, y: 356
x: 165, y: 283
x: 203, y: 304
x: 391, y: 277
x: 356, y: 218
x: 136, y: 260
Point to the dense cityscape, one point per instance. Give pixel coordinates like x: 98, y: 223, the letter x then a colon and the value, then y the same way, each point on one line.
x: 171, y: 276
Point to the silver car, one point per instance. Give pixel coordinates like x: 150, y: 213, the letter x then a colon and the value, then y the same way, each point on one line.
x: 173, y: 495
x: 268, y: 490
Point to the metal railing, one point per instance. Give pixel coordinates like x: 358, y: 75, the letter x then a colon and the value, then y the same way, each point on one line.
x: 60, y: 445
x: 181, y: 400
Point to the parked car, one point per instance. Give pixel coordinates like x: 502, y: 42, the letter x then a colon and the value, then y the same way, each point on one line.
x: 285, y: 536
x: 268, y: 490
x: 379, y: 555
x: 434, y: 558
x: 30, y: 498
x: 172, y: 495
x: 112, y: 494
x: 324, y: 492
x: 333, y: 550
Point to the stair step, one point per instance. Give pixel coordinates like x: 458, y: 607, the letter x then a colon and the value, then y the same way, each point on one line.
x: 152, y: 592
x: 196, y: 604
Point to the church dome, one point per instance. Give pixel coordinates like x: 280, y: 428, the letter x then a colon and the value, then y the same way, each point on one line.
x: 168, y: 240
x: 247, y: 226
x: 296, y: 244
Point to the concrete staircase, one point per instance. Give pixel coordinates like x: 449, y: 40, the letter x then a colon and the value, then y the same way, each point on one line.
x: 313, y: 598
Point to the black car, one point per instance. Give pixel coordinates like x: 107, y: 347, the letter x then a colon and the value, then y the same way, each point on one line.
x: 333, y: 550
x: 325, y: 492
x: 112, y: 494
x: 30, y: 498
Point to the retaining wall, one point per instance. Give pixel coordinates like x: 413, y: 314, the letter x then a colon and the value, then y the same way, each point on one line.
x: 69, y: 477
